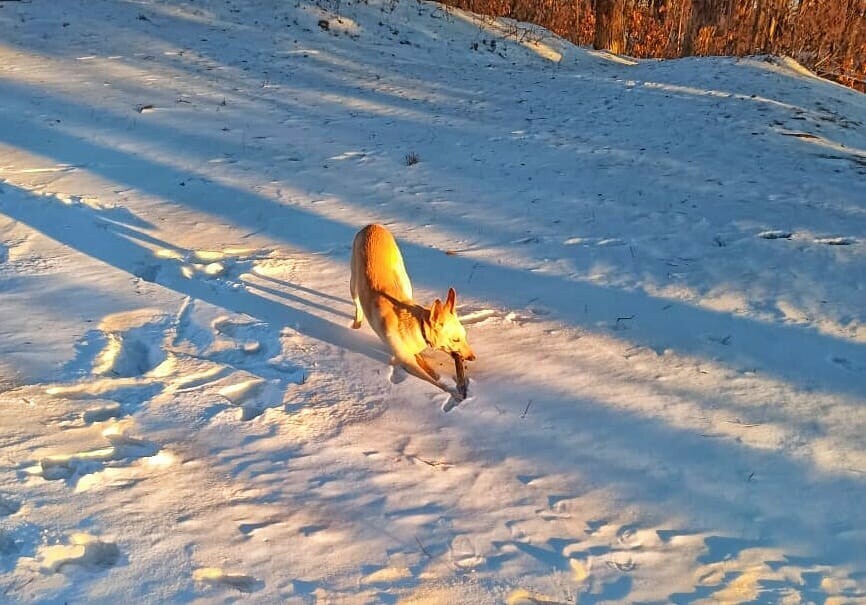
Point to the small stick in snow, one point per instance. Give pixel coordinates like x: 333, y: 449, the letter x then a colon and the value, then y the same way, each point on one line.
x: 434, y: 463
x: 739, y: 422
x: 523, y: 415
x: 424, y: 550
x: 620, y: 326
x: 471, y: 273
x: 460, y: 369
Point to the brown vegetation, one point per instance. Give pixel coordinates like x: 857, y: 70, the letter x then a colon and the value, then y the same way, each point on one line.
x: 827, y: 36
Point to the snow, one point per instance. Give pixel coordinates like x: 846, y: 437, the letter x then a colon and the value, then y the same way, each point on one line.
x: 660, y: 266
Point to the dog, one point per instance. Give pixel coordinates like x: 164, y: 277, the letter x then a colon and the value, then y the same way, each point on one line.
x: 382, y: 292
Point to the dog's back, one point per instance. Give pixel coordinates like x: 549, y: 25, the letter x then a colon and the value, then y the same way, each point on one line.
x: 377, y: 267
x: 382, y: 292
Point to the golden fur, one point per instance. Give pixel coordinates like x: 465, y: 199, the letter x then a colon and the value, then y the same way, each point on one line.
x: 382, y: 293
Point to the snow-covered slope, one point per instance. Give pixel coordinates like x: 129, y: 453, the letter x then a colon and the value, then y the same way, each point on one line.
x: 660, y: 264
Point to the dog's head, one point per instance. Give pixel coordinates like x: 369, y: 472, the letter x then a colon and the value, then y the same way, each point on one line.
x: 445, y: 331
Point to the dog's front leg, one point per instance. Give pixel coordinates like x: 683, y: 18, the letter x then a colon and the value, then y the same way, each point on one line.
x: 422, y: 363
x: 419, y: 368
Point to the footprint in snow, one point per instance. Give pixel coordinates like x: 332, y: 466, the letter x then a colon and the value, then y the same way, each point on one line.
x: 593, y: 526
x: 102, y: 411
x: 387, y: 575
x: 252, y: 396
x: 8, y: 505
x: 521, y: 596
x: 775, y: 234
x: 224, y: 267
x: 629, y: 537
x: 235, y: 342
x: 463, y: 554
x: 242, y: 360
x: 83, y: 550
x: 835, y: 241
x: 130, y: 354
x: 114, y: 462
x: 217, y: 577
x: 239, y: 342
x: 124, y: 345
x: 18, y: 541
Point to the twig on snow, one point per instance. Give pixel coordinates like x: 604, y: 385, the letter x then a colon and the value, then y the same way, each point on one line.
x: 424, y: 550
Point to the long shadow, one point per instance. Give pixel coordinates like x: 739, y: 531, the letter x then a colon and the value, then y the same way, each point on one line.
x: 789, y: 352
x: 688, y: 477
x: 326, y: 80
x: 287, y: 284
x: 743, y: 497
x: 647, y: 460
x: 691, y: 484
x: 450, y: 134
x: 119, y: 246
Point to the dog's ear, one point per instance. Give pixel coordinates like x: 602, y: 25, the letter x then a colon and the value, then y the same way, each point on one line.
x: 450, y: 301
x: 436, y: 311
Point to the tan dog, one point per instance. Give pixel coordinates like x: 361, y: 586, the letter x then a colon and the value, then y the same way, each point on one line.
x: 382, y: 292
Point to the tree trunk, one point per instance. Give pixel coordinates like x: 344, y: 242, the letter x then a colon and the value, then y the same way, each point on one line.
x: 610, y: 26
x: 699, y: 15
x: 702, y: 14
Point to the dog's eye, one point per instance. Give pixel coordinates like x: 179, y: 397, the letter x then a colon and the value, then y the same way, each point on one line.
x: 455, y: 340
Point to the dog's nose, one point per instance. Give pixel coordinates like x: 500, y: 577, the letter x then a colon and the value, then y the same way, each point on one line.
x: 471, y: 356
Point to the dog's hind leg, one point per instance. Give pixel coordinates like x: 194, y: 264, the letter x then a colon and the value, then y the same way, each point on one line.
x: 359, y: 312
x: 397, y: 374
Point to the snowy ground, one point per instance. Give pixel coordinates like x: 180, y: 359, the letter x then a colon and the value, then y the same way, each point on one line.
x: 661, y: 266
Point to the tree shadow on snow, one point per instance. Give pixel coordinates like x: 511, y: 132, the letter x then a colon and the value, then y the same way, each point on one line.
x: 789, y: 352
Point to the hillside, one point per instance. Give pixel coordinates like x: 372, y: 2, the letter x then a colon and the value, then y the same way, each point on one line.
x: 660, y: 265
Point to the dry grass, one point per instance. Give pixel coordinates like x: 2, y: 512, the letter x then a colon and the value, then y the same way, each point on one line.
x: 827, y: 36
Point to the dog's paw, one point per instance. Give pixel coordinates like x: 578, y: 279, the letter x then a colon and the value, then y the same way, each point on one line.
x: 457, y: 396
x: 452, y: 402
x: 397, y: 374
x: 356, y: 325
